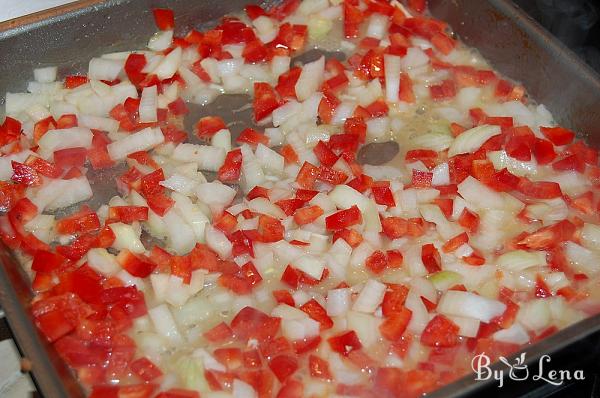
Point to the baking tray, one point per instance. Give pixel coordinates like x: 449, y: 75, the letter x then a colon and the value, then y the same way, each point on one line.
x: 515, y: 45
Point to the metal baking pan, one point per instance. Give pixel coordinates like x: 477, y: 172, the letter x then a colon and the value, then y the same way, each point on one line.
x: 515, y: 45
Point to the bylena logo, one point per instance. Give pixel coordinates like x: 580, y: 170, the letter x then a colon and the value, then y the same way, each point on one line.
x: 519, y: 370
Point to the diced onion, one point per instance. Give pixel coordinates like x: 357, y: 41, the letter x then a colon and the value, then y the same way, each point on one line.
x: 207, y: 157
x: 472, y: 139
x: 470, y: 305
x: 370, y: 297
x: 310, y: 79
x: 165, y: 324
x: 217, y: 241
x: 148, y: 105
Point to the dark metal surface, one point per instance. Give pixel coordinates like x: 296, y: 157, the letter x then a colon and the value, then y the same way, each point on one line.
x: 514, y: 44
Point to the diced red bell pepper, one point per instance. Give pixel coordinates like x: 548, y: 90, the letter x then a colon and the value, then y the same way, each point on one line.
x: 252, y: 137
x: 219, y: 333
x: 145, y: 369
x: 265, y: 101
x: 23, y: 174
x: 343, y: 219
x: 46, y: 261
x: 318, y: 313
x: 82, y: 222
x: 231, y: 168
x: 421, y: 179
x: 209, y: 125
x: 164, y: 18
x: 127, y: 214
x: 393, y: 327
x: 327, y: 106
x: 431, y: 258
x: 319, y: 368
x: 376, y: 262
x: 251, y: 323
x: 283, y: 366
x: 406, y: 89
x: 569, y: 163
x: 135, y: 265
x: 549, y: 236
x: 307, y: 215
x: 352, y: 237
x: 345, y: 342
x: 558, y: 135
x: 543, y: 151
x: 539, y: 189
x: 383, y: 194
x: 443, y: 43
x: 394, y: 227
x: 443, y: 91
x: 75, y: 81
x: 393, y: 300
x: 440, y: 332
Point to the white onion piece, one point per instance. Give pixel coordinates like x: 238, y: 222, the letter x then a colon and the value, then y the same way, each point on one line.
x: 311, y: 265
x: 143, y: 140
x: 377, y: 27
x: 415, y: 57
x: 582, y: 260
x: 264, y: 206
x: 148, y: 105
x: 222, y: 139
x: 55, y: 140
x: 169, y: 65
x: 270, y: 160
x: 366, y: 327
x: 472, y: 139
x: 343, y: 112
x: 441, y: 175
x: 104, y: 69
x: 164, y: 323
x: 180, y: 183
x: 229, y: 66
x: 479, y: 195
x: 207, y: 157
x: 102, y: 261
x: 434, y: 141
x: 192, y: 214
x: 280, y: 64
x: 370, y: 297
x: 420, y: 317
x: 161, y: 40
x: 126, y: 237
x: 216, y: 195
x: 45, y: 75
x: 97, y: 122
x: 467, y: 327
x: 243, y: 390
x: 500, y: 159
x: 518, y: 260
x: 515, y: 334
x: 181, y: 237
x: 392, y: 77
x: 590, y: 236
x: 285, y: 112
x: 470, y: 305
x: 69, y: 192
x: 338, y: 301
x: 252, y: 173
x: 310, y: 79
x: 535, y: 314
x: 217, y: 241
